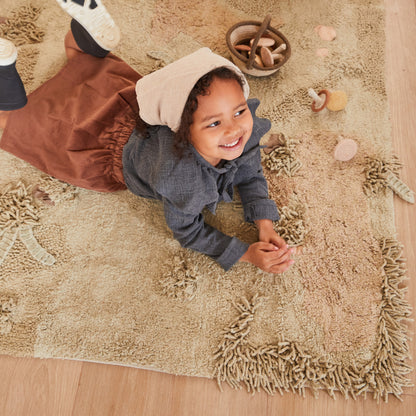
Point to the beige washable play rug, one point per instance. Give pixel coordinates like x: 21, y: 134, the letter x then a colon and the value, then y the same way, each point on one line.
x: 97, y: 277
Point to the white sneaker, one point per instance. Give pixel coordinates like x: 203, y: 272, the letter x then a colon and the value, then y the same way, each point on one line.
x: 96, y: 21
x: 8, y: 52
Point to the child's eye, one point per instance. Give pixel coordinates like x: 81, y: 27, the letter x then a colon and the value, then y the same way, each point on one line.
x: 238, y: 113
x: 214, y: 124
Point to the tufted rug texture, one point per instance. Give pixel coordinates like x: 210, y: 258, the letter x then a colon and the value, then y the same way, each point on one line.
x: 99, y: 277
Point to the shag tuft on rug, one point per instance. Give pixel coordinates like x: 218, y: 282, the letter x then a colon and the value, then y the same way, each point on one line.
x: 99, y: 277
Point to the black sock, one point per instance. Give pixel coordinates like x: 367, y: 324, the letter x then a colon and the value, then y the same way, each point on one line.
x: 12, y: 91
x: 85, y: 41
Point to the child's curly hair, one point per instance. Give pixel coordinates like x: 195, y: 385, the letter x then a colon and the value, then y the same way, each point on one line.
x: 182, y: 137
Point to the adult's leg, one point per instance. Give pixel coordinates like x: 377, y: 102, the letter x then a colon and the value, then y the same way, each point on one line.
x: 71, y: 47
x: 93, y: 29
x: 76, y: 123
x: 12, y: 91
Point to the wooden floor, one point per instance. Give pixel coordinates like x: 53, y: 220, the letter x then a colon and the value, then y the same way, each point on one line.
x: 59, y: 388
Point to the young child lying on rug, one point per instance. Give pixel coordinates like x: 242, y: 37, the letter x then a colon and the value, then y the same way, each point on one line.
x: 196, y: 138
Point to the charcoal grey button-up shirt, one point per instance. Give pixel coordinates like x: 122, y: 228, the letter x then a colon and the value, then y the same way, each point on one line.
x: 186, y: 186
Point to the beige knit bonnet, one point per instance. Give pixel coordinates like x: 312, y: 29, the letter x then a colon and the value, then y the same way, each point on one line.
x: 162, y: 95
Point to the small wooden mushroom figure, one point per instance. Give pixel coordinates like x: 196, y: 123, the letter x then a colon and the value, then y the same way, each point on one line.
x: 332, y: 100
x: 269, y: 57
x: 345, y: 150
x: 319, y: 100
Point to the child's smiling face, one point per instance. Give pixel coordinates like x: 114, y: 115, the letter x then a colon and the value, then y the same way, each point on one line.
x: 222, y: 123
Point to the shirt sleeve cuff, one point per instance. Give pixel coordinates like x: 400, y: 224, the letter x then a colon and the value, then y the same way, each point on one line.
x: 232, y: 253
x: 260, y: 210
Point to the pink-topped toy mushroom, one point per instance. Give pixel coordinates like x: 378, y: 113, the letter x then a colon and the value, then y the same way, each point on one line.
x: 345, y: 150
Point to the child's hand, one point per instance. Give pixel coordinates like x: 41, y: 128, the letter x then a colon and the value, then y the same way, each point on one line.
x: 271, y: 253
x: 268, y: 234
x: 268, y: 257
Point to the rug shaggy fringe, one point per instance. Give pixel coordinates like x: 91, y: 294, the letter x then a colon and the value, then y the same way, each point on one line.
x: 21, y: 27
x: 381, y: 175
x: 281, y: 159
x: 291, y: 225
x: 18, y: 215
x: 375, y: 171
x: 284, y: 366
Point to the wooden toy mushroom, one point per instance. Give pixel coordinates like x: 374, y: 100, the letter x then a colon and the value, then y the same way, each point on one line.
x: 263, y: 42
x: 279, y: 49
x: 332, y: 100
x: 345, y: 150
x: 259, y: 61
x: 243, y: 47
x: 269, y: 57
x: 319, y: 100
x: 266, y: 56
x: 326, y: 32
x: 337, y: 101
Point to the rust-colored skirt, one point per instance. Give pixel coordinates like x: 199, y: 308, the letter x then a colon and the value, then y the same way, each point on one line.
x: 75, y: 126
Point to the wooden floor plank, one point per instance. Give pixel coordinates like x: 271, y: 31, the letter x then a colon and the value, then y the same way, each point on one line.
x: 38, y: 387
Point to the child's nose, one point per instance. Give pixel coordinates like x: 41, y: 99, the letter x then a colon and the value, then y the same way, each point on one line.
x: 232, y: 127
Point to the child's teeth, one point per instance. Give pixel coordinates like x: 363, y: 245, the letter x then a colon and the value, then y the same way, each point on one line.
x: 231, y: 144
